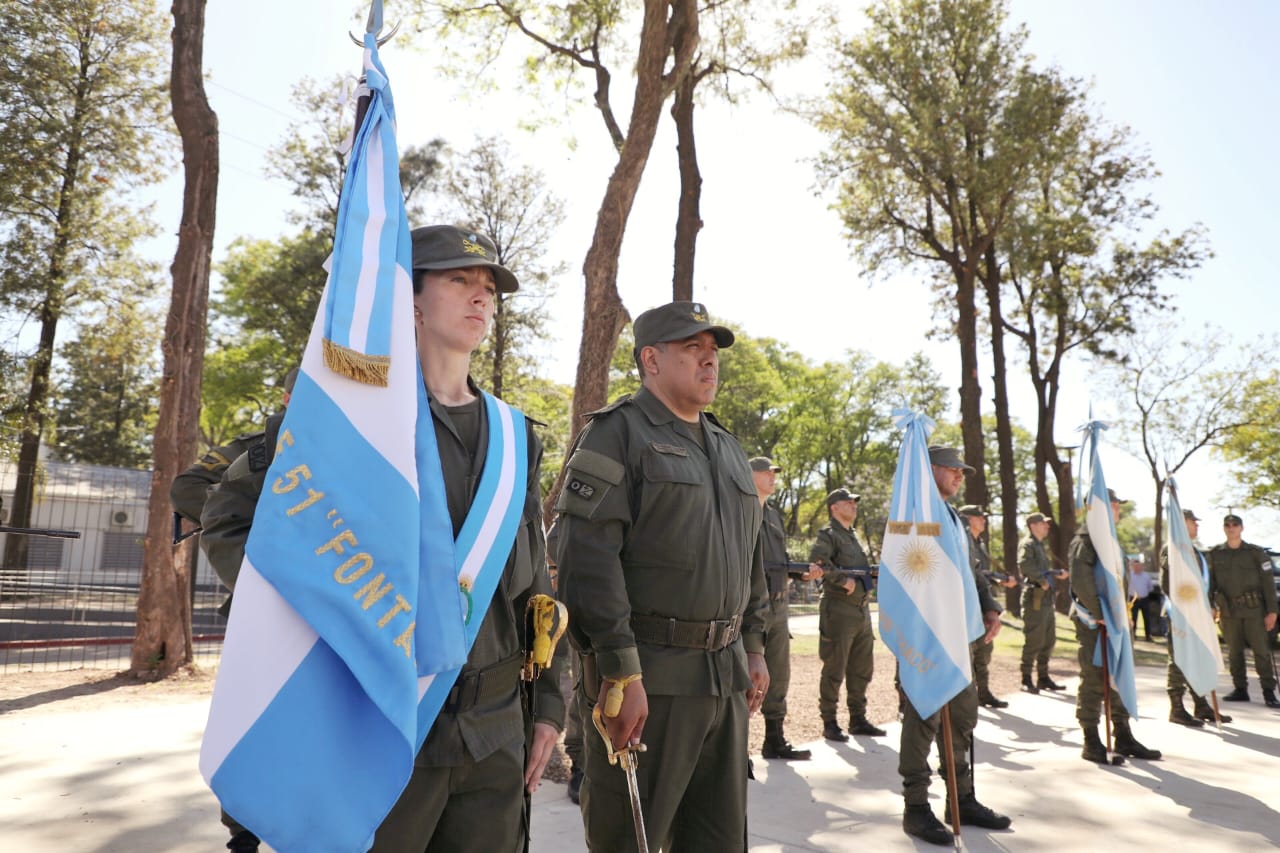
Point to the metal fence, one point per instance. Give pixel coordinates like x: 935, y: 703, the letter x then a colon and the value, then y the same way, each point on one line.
x: 71, y: 602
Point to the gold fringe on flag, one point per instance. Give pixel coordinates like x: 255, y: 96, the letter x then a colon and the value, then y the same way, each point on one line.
x: 900, y: 528
x: 369, y: 369
x: 928, y: 528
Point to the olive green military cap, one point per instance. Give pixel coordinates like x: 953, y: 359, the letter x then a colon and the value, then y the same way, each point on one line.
x: 1232, y: 518
x: 448, y: 247
x: 1190, y: 515
x: 842, y: 495
x: 1036, y: 518
x: 676, y: 321
x: 947, y: 457
x: 1115, y: 499
x: 763, y: 463
x: 972, y: 510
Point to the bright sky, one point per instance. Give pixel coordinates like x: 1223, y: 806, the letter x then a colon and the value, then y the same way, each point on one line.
x: 1192, y: 81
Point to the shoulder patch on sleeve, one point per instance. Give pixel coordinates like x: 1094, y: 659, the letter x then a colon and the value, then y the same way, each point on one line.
x: 596, y: 465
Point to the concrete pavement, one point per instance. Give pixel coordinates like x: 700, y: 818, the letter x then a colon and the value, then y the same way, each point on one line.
x: 124, y: 779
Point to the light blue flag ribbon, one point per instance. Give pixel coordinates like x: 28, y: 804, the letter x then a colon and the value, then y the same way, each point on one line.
x: 1193, y: 636
x: 1109, y: 570
x: 929, y: 611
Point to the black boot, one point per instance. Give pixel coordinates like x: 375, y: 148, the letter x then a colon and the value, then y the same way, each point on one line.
x: 1094, y: 749
x: 974, y: 813
x: 1028, y: 685
x: 1178, y: 714
x: 1047, y: 683
x: 1127, y: 744
x: 776, y: 746
x: 1240, y: 694
x: 920, y: 822
x: 243, y: 841
x: 863, y: 726
x: 1204, y: 711
x: 575, y: 784
x: 831, y: 731
x: 1269, y: 697
x: 991, y: 701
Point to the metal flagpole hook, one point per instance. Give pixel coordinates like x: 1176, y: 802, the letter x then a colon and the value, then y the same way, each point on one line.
x: 374, y: 26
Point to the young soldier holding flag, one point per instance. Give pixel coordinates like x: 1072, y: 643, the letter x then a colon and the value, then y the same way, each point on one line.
x: 931, y: 608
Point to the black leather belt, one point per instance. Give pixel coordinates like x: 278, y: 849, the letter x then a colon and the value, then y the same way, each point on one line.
x: 710, y: 636
x: 482, y: 686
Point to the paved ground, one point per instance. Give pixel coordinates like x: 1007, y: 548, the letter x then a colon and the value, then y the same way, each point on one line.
x: 124, y: 779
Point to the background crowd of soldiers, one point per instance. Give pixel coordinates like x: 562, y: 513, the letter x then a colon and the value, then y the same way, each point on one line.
x: 673, y: 564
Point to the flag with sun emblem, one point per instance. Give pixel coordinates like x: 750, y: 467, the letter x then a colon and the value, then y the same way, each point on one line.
x: 1192, y: 635
x: 929, y: 610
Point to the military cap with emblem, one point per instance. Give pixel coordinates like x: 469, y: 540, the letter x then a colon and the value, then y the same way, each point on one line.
x: 1190, y: 515
x: 947, y: 457
x: 677, y: 321
x: 448, y: 247
x: 972, y: 510
x: 1232, y: 518
x: 1036, y: 518
x: 842, y: 495
x: 763, y: 463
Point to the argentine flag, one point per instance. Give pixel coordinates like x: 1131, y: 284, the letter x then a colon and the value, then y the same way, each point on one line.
x: 929, y: 610
x: 1109, y: 570
x: 1192, y: 635
x: 355, y: 607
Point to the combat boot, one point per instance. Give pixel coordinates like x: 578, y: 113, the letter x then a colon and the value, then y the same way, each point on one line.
x: 991, y: 701
x: 243, y: 841
x: 1269, y: 697
x: 1048, y: 683
x: 831, y: 731
x: 1178, y: 714
x: 575, y: 784
x: 1240, y: 694
x: 863, y: 726
x: 1127, y: 744
x: 1094, y: 750
x: 1205, y: 712
x: 1028, y: 685
x: 776, y: 746
x: 974, y: 813
x: 920, y: 822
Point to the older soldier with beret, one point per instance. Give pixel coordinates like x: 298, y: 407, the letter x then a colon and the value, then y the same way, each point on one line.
x: 1242, y: 588
x: 918, y: 734
x: 662, y: 572
x: 1038, y: 625
x: 980, y: 561
x: 1083, y: 558
x: 777, y: 638
x: 845, y: 636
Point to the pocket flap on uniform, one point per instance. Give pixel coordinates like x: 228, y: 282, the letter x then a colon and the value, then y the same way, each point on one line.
x: 596, y: 465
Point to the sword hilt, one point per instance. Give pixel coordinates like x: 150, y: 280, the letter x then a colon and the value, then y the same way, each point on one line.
x: 625, y: 757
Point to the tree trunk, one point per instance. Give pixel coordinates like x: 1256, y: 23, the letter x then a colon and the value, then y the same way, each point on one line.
x: 688, y: 213
x: 1004, y: 431
x: 163, y: 639
x: 499, y: 347
x: 975, y: 484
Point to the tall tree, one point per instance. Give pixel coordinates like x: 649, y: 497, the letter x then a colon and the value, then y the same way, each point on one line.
x: 926, y: 117
x: 1178, y: 397
x: 1253, y: 451
x: 105, y: 410
x: 81, y: 125
x: 162, y: 642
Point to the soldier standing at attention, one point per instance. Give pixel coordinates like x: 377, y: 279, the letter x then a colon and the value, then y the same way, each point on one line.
x: 1084, y: 586
x: 1242, y: 588
x: 662, y: 572
x: 1039, y: 627
x: 1175, y: 682
x: 777, y: 639
x: 980, y: 562
x: 918, y: 820
x: 845, y: 635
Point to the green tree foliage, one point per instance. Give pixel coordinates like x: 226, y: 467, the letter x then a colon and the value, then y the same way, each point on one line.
x: 105, y: 409
x: 82, y: 124
x: 1253, y: 450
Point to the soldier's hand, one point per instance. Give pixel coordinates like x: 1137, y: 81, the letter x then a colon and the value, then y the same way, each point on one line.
x: 849, y: 585
x: 815, y: 572
x: 626, y: 728
x: 991, y: 619
x: 1269, y: 621
x: 544, y: 742
x: 1010, y: 582
x: 759, y: 672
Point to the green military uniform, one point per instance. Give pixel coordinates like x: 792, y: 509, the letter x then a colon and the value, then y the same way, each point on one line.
x: 661, y: 569
x: 1084, y: 587
x: 466, y: 790
x: 1242, y: 588
x: 1038, y: 626
x: 777, y: 639
x: 845, y: 635
x: 1175, y: 682
x: 919, y: 734
x: 189, y: 489
x: 980, y: 563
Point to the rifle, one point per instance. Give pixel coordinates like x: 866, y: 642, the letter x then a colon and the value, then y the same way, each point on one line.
x: 798, y: 570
